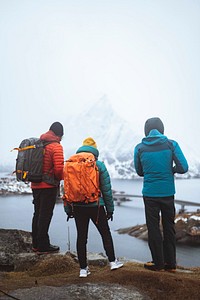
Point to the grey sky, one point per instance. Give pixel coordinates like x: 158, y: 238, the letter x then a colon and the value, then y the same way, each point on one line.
x: 58, y: 56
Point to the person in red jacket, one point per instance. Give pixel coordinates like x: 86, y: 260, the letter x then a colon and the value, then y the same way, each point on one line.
x: 45, y: 192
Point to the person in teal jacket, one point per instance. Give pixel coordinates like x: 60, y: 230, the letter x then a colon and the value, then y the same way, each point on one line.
x: 157, y: 159
x: 101, y: 210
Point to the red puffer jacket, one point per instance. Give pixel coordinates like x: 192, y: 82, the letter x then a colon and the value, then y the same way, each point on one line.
x: 53, y: 160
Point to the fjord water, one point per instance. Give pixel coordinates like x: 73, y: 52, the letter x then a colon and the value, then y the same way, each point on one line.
x: 16, y: 213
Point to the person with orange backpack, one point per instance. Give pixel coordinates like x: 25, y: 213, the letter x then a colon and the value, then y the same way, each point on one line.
x: 88, y: 196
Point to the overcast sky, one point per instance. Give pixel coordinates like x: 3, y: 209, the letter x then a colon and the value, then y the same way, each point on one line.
x: 59, y: 56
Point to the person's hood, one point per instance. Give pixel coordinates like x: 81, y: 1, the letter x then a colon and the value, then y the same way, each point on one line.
x: 89, y: 149
x: 50, y: 136
x: 153, y: 123
x: 154, y: 137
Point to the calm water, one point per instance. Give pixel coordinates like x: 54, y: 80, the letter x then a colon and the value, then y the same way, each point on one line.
x: 16, y: 212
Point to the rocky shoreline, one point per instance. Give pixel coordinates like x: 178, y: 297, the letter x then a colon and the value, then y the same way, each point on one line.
x: 187, y: 229
x: 10, y: 186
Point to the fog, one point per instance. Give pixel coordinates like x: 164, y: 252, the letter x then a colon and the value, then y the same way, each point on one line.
x: 58, y: 57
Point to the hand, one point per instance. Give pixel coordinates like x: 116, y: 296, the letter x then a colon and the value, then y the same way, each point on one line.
x: 109, y: 216
x: 70, y: 216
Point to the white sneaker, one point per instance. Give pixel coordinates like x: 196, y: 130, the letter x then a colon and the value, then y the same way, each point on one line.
x: 115, y: 264
x: 84, y: 272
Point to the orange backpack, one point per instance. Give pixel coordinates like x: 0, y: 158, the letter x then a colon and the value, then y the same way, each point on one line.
x: 81, y: 179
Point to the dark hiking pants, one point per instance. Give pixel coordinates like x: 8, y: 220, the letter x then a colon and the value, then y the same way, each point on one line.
x: 162, y: 246
x: 44, y: 202
x: 82, y: 217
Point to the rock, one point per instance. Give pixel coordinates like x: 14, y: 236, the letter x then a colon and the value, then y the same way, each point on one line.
x: 187, y: 228
x: 97, y: 259
x: 12, y: 243
x: 79, y: 291
x: 16, y: 255
x: 15, y: 241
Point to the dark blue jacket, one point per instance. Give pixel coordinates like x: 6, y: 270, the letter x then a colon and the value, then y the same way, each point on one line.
x: 157, y: 158
x: 106, y: 198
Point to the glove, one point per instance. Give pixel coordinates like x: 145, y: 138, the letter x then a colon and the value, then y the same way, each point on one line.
x: 69, y: 211
x: 109, y: 216
x: 70, y: 216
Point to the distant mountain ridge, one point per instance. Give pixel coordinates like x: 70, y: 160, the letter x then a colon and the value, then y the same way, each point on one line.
x: 115, y: 138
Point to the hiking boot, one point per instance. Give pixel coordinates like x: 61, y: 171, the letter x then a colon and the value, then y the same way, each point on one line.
x: 149, y: 263
x: 84, y: 272
x: 34, y: 249
x: 152, y: 267
x: 114, y: 265
x: 48, y: 250
x: 170, y: 268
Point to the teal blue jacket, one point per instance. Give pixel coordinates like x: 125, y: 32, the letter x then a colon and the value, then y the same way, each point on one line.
x: 106, y: 198
x: 156, y: 159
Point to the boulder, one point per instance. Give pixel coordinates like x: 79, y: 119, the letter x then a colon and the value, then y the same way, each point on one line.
x: 12, y: 243
x: 16, y: 255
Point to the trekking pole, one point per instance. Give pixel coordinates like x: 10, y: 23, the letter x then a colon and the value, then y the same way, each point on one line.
x: 68, y: 243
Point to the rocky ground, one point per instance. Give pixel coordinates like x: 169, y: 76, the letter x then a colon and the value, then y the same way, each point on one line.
x: 56, y: 276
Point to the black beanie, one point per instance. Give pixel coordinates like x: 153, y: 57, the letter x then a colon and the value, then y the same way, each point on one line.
x: 153, y: 123
x: 57, y: 128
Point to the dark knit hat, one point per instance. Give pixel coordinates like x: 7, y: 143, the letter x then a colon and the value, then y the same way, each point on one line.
x: 57, y: 128
x: 153, y: 123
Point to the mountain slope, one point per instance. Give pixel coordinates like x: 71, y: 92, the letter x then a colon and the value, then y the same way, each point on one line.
x: 115, y: 138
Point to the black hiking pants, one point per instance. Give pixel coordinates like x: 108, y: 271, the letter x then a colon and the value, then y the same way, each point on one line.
x: 82, y: 217
x: 162, y: 246
x: 44, y: 201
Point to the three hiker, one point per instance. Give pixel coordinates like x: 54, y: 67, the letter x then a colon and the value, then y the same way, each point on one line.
x: 157, y: 159
x: 88, y: 194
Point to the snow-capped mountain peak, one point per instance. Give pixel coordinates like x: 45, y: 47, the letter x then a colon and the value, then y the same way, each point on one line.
x: 115, y: 138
